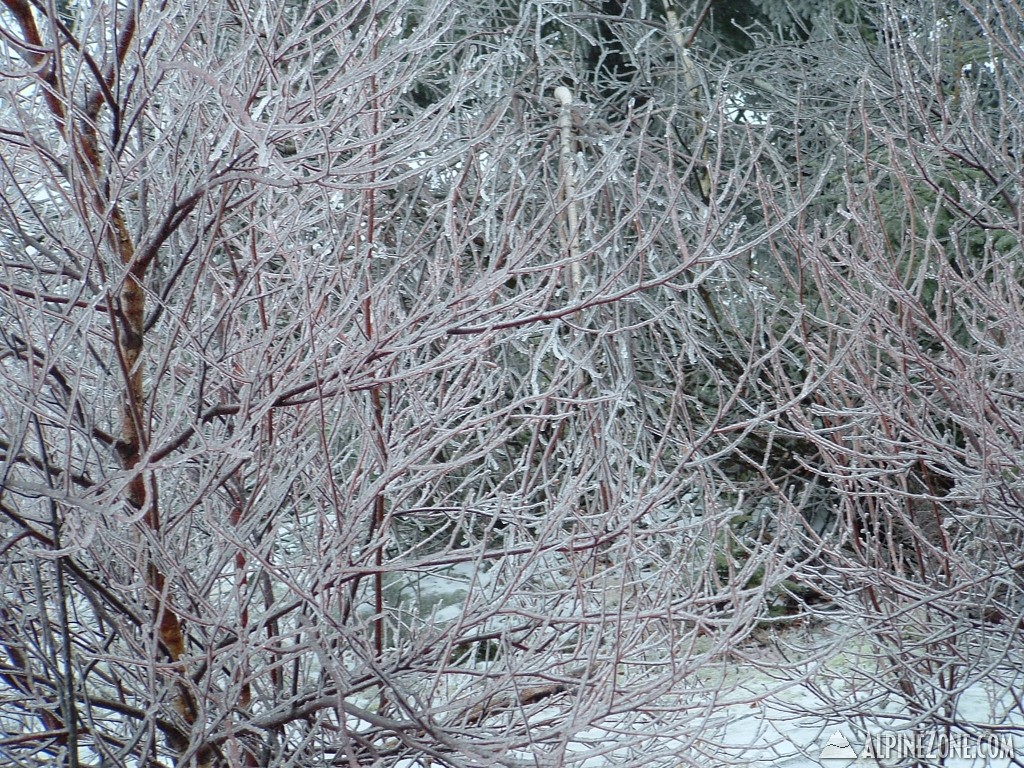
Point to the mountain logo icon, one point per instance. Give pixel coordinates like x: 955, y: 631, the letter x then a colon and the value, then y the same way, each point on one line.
x: 838, y: 748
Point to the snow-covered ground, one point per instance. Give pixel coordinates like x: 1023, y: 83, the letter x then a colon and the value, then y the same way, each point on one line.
x: 772, y: 734
x: 752, y: 717
x: 792, y: 727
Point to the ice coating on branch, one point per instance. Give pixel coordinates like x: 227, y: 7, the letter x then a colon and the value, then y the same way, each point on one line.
x: 564, y: 95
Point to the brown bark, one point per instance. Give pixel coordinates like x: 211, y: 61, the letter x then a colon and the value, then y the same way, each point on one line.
x: 126, y: 310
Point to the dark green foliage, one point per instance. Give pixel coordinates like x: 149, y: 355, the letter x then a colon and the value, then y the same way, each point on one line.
x: 609, y: 60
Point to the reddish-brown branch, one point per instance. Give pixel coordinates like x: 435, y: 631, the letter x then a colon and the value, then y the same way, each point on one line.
x: 35, y: 52
x: 126, y: 310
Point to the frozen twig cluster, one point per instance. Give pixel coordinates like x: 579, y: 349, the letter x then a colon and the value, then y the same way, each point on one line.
x: 362, y: 404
